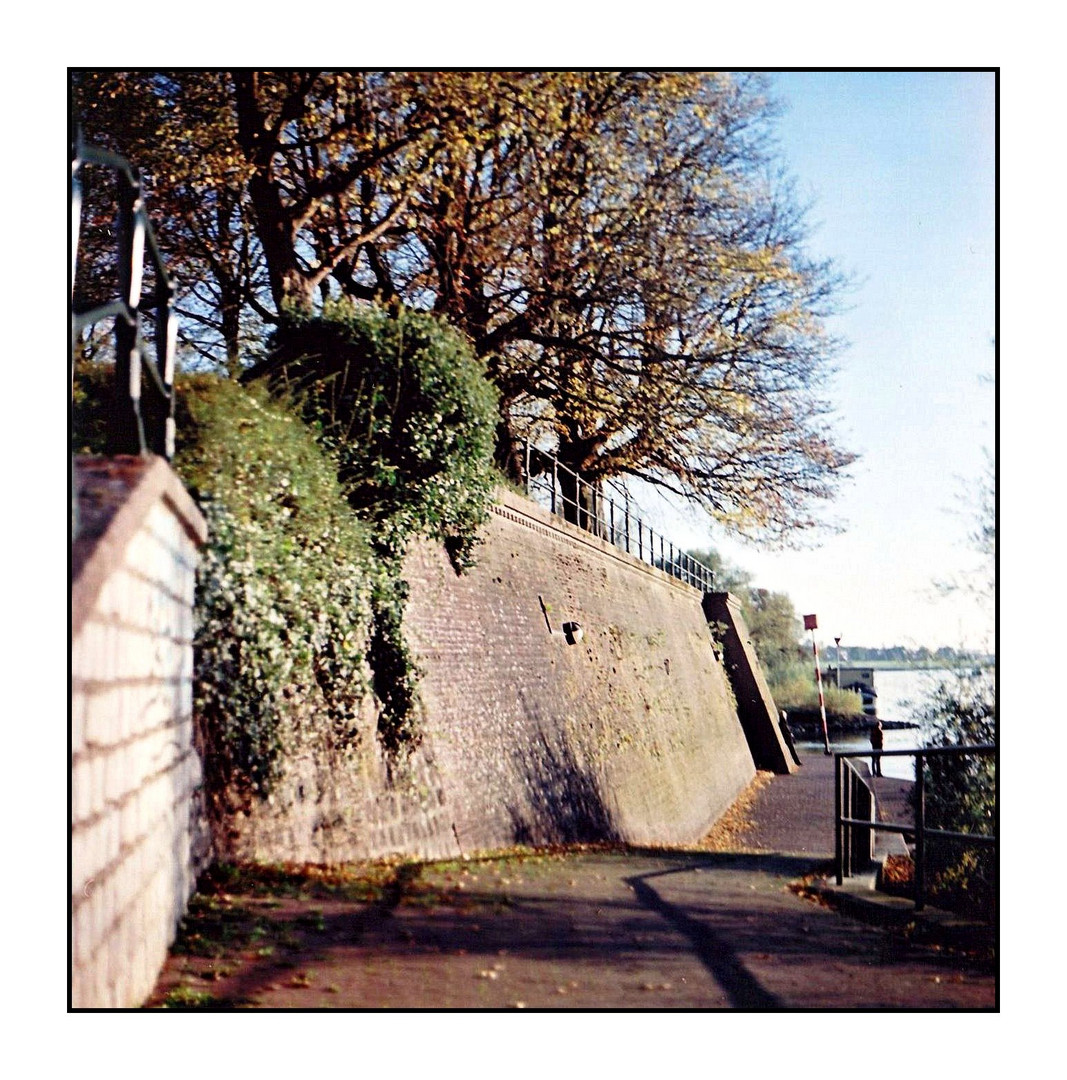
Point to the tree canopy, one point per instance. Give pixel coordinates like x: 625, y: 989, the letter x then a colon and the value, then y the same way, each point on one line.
x: 620, y: 248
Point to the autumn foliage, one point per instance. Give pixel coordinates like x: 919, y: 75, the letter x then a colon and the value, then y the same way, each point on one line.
x: 619, y: 247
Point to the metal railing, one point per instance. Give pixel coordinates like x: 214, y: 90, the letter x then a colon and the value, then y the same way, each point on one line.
x: 136, y: 426
x: 845, y: 822
x: 607, y: 515
x: 855, y: 804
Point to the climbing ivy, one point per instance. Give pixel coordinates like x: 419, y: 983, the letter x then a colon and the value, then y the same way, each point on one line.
x: 398, y: 399
x: 284, y: 589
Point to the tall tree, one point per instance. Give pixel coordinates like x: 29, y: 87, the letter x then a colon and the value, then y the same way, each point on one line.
x: 636, y: 279
x: 267, y: 184
x: 615, y: 244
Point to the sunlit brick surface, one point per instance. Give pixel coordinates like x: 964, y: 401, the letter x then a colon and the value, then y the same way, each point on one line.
x: 136, y: 841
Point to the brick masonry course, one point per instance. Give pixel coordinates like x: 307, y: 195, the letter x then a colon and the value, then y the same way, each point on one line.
x: 628, y: 734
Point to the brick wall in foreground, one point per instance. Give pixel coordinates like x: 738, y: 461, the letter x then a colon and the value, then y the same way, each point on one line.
x: 138, y: 837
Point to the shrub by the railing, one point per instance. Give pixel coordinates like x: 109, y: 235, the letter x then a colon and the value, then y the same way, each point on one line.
x: 796, y: 691
x: 961, y: 793
x: 92, y: 396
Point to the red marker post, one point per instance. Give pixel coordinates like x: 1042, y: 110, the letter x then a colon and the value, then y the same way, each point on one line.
x: 812, y: 624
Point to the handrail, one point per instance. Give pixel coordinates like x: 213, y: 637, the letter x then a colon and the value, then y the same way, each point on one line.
x: 856, y: 792
x: 134, y: 428
x: 602, y: 517
x: 919, y: 828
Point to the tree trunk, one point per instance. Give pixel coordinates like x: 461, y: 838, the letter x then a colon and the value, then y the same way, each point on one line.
x: 230, y: 311
x: 274, y: 223
x: 510, y: 452
x: 289, y: 285
x: 580, y: 480
x: 580, y: 500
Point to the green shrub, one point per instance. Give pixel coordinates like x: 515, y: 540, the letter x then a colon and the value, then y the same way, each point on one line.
x: 961, y: 792
x: 399, y: 398
x: 284, y: 588
x: 795, y: 689
x: 285, y: 583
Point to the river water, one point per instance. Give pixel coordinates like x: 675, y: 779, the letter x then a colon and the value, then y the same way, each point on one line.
x: 899, y: 694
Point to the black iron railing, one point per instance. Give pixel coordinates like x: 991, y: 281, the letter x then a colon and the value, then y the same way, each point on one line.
x: 605, y: 509
x: 855, y: 804
x: 845, y: 823
x: 140, y: 422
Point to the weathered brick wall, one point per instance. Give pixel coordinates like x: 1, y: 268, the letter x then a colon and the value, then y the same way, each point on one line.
x: 630, y: 733
x: 138, y: 837
x: 328, y: 808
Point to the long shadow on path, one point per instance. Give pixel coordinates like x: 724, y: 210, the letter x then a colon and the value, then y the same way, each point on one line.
x: 622, y: 929
x: 743, y: 991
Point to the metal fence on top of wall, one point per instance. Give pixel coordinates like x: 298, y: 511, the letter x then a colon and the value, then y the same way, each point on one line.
x: 605, y: 509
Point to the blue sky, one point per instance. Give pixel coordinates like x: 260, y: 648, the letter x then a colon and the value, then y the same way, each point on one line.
x: 900, y: 170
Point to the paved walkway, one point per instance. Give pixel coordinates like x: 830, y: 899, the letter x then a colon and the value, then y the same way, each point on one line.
x: 795, y: 814
x: 585, y: 929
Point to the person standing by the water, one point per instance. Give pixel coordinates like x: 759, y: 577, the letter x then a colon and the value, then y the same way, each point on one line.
x: 877, y: 742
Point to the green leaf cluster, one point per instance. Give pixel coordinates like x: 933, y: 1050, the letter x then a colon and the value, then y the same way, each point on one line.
x: 398, y: 397
x: 284, y: 590
x: 961, y: 791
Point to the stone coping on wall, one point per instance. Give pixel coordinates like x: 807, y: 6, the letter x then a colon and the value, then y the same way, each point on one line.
x: 525, y: 511
x: 113, y: 496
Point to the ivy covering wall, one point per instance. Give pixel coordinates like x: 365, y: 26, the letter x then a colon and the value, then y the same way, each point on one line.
x: 362, y: 429
x: 283, y: 610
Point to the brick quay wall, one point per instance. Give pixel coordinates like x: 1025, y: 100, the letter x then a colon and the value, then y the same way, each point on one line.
x: 628, y: 733
x: 625, y: 731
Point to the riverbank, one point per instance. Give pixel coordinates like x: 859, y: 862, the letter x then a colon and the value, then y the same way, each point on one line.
x: 806, y: 724
x: 931, y: 665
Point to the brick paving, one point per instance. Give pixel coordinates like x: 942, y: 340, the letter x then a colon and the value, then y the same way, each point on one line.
x: 795, y: 814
